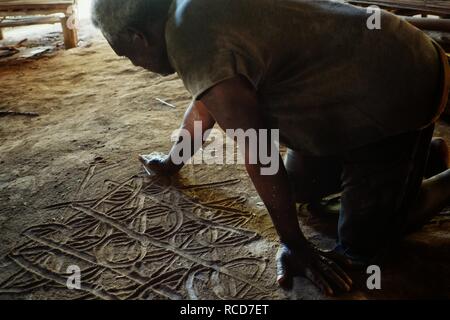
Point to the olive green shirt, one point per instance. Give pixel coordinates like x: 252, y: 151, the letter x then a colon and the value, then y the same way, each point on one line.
x: 323, y: 78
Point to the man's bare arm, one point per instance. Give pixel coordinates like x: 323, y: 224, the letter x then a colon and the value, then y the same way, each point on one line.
x: 196, y: 112
x: 234, y: 105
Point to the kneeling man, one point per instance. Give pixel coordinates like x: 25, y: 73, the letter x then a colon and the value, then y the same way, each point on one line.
x: 355, y: 107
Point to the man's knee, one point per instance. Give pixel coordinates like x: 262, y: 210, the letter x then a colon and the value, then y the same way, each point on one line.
x: 312, y: 178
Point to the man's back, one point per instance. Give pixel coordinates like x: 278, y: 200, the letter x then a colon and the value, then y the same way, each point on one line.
x: 323, y: 78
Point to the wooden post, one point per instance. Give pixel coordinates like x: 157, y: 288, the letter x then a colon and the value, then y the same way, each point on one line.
x: 1, y: 34
x: 70, y: 34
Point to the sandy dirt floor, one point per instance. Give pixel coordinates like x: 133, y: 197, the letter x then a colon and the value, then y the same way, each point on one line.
x: 73, y: 193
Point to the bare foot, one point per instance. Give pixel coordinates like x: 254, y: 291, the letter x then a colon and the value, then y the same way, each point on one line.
x: 438, y: 160
x: 434, y: 196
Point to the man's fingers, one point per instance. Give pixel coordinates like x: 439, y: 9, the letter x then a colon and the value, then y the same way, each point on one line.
x: 142, y: 159
x: 340, y: 272
x: 152, y: 165
x: 319, y: 281
x: 337, y: 274
x: 329, y: 272
x: 146, y: 166
x: 334, y: 256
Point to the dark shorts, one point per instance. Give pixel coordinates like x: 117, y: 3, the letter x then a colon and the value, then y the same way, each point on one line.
x: 379, y: 183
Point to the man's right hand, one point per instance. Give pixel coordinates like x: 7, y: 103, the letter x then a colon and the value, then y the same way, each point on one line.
x: 159, y: 164
x: 316, y: 265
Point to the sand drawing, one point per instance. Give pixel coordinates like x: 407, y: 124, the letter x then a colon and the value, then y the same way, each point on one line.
x: 143, y: 238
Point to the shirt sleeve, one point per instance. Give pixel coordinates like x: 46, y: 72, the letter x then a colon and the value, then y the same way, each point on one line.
x: 204, y: 58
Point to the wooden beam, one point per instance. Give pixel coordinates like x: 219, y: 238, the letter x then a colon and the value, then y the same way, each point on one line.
x: 11, y: 23
x: 1, y: 34
x: 34, y: 2
x: 435, y: 7
x: 22, y: 8
x: 36, y: 7
x: 29, y: 12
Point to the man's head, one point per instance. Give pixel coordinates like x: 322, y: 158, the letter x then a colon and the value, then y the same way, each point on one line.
x: 136, y: 29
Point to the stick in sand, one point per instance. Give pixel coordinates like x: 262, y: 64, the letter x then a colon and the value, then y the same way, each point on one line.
x: 166, y: 103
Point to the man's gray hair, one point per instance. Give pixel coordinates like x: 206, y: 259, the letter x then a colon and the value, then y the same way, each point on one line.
x: 115, y: 16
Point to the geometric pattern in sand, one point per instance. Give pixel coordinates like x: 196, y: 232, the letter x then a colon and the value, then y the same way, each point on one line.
x: 142, y: 238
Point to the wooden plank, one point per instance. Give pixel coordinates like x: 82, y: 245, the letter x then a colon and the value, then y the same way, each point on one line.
x: 26, y: 2
x: 10, y: 23
x: 35, y: 3
x: 34, y: 7
x: 32, y: 12
x: 440, y: 8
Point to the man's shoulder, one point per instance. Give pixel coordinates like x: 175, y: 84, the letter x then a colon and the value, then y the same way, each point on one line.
x: 194, y: 13
x: 195, y: 25
x: 186, y: 20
